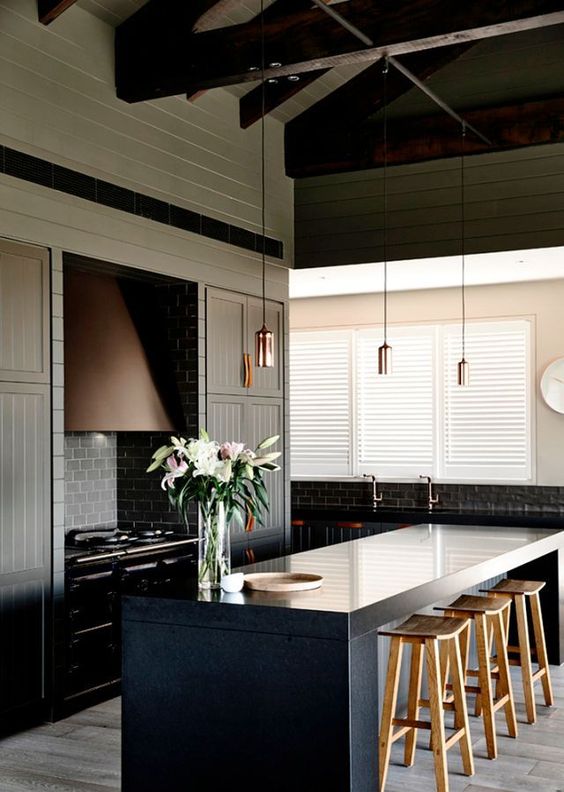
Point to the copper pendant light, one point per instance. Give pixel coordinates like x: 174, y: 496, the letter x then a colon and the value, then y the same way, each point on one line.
x: 463, y: 369
x: 385, y: 351
x: 264, y: 338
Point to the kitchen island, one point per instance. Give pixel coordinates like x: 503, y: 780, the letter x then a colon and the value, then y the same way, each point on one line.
x: 272, y: 693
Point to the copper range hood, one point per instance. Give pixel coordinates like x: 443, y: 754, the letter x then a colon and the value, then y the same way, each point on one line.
x: 110, y: 384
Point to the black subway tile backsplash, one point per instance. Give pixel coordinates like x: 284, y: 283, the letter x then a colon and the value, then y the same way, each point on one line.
x: 459, y: 497
x: 141, y: 500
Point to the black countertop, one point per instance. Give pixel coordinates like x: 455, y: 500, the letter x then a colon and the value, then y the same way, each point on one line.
x: 441, y: 516
x: 367, y: 582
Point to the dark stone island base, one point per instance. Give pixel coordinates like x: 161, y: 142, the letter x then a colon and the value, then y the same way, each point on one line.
x: 258, y: 693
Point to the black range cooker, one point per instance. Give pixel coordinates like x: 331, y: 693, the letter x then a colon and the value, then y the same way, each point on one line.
x: 102, y: 565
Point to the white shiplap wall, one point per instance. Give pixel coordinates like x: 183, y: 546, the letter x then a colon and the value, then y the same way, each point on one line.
x: 57, y: 100
x: 513, y: 200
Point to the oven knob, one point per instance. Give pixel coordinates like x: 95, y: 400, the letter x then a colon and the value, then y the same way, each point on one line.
x: 143, y: 585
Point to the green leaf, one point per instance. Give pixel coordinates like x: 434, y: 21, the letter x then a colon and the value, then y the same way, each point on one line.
x: 269, y: 441
x: 262, y: 495
x: 270, y: 466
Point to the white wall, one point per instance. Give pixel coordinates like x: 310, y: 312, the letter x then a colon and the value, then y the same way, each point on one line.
x: 542, y: 301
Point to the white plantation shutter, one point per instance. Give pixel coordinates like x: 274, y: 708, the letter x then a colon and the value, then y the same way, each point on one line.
x: 395, y: 413
x: 345, y: 419
x: 486, y: 431
x: 320, y: 399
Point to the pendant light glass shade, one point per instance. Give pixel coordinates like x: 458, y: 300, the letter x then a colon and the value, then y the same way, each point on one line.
x: 385, y: 359
x: 463, y: 373
x: 264, y: 338
x: 264, y: 347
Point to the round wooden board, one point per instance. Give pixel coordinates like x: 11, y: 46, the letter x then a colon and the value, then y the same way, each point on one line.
x: 283, y: 581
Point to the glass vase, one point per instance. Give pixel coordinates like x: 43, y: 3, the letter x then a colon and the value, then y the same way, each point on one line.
x: 214, y: 551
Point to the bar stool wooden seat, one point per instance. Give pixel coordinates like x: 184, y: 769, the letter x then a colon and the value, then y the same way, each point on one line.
x: 490, y: 616
x: 518, y: 591
x: 426, y: 633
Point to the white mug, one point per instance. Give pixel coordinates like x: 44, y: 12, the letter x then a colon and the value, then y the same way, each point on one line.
x: 232, y: 583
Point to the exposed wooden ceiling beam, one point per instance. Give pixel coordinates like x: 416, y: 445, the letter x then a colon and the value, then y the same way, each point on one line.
x: 277, y: 91
x: 48, y: 10
x: 214, y: 14
x: 309, y: 40
x: 250, y: 105
x: 363, y: 95
x: 434, y: 137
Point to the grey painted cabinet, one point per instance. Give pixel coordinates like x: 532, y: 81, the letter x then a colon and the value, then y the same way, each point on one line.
x: 251, y: 419
x: 24, y: 313
x: 232, y: 321
x: 25, y: 474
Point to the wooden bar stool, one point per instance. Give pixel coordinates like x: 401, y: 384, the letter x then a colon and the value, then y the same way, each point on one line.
x: 517, y: 591
x: 429, y: 633
x: 490, y: 616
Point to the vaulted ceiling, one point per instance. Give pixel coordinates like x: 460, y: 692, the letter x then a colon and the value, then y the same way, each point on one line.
x: 499, y: 64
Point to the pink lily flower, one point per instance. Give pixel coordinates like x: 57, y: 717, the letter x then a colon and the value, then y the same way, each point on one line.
x: 230, y: 450
x: 175, y: 470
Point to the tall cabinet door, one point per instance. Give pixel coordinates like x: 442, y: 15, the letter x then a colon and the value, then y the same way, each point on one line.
x: 265, y: 417
x: 24, y: 313
x: 227, y: 422
x: 24, y: 545
x: 266, y: 381
x: 226, y: 341
x: 25, y: 476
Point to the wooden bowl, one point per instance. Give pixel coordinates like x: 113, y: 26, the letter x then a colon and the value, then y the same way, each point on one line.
x: 283, y: 581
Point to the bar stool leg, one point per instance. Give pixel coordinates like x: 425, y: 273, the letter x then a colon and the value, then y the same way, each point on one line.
x: 525, y: 657
x: 389, y: 708
x: 484, y: 676
x: 540, y: 645
x: 437, y: 715
x: 460, y: 709
x: 504, y: 687
x: 415, y: 674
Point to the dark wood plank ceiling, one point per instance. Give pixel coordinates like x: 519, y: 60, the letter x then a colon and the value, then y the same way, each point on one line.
x: 301, y: 42
x: 171, y: 47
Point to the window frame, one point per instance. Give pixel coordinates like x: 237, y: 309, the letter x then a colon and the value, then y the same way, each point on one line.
x: 437, y: 471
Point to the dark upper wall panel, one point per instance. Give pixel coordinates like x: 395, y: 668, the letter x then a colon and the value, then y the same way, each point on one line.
x: 514, y: 200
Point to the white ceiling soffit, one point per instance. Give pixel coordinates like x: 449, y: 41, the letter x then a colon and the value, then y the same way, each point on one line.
x: 438, y: 273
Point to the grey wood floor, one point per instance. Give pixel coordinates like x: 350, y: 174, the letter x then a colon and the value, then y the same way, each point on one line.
x: 82, y: 754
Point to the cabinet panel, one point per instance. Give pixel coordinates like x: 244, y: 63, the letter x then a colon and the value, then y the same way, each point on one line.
x: 24, y: 468
x: 265, y: 417
x: 21, y: 639
x: 266, y: 381
x: 226, y: 341
x: 227, y: 421
x: 24, y: 306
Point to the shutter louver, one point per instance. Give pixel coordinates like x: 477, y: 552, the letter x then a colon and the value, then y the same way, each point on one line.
x: 395, y: 412
x: 320, y: 398
x: 487, y: 424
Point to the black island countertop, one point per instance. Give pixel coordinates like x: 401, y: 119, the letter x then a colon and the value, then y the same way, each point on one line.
x: 283, y: 690
x: 367, y: 581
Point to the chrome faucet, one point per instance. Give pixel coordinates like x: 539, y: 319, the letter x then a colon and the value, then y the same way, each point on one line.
x: 432, y: 500
x: 376, y: 497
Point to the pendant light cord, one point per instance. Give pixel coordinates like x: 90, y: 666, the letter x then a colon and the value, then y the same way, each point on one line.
x: 385, y: 188
x: 463, y: 240
x: 263, y: 181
